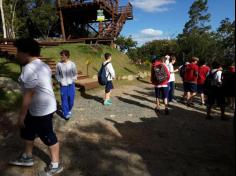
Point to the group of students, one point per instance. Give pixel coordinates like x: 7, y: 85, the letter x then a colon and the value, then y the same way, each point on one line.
x: 211, y: 83
x: 39, y: 102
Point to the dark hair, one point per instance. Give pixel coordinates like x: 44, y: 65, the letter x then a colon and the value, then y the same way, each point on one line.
x: 162, y: 59
x: 28, y: 45
x: 107, y: 55
x: 172, y: 58
x: 215, y: 65
x: 202, y: 62
x: 65, y: 52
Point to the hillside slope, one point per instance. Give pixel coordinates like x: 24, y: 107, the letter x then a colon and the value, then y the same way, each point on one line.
x: 82, y: 53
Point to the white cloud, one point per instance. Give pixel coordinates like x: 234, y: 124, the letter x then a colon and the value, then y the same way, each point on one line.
x: 149, y: 34
x: 153, y: 5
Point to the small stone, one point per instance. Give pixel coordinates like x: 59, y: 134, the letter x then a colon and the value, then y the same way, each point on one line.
x: 131, y: 77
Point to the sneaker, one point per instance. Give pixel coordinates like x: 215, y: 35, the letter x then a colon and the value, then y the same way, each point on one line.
x: 50, y: 171
x: 23, y: 160
x: 107, y: 103
x: 157, y: 111
x: 69, y: 113
x: 167, y: 111
x: 67, y: 117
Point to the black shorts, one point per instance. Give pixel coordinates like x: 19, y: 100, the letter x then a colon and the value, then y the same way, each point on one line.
x: 200, y: 88
x: 215, y: 96
x: 41, y: 127
x: 108, y: 87
x: 190, y: 87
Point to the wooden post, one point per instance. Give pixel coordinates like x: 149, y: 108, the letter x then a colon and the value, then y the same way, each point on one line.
x: 61, y: 20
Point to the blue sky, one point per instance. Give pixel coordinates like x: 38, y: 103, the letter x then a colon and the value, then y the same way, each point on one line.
x: 164, y: 19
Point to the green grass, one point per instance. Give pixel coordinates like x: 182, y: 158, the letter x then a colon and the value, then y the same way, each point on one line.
x: 81, y: 53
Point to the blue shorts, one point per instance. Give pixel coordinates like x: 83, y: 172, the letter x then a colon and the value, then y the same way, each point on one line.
x: 200, y: 88
x: 41, y: 127
x: 108, y: 87
x: 162, y: 92
x: 190, y: 87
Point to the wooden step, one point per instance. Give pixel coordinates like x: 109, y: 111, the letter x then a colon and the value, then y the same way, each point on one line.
x: 87, y: 83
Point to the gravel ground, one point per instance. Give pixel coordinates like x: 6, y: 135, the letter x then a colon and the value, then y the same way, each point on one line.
x: 127, y: 139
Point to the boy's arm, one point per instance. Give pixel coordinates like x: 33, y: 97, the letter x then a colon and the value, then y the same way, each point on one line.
x: 74, y: 72
x: 27, y: 98
x: 111, y: 70
x: 57, y: 75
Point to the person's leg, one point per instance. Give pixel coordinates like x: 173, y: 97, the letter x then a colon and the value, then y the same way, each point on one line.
x: 71, y: 94
x: 64, y: 100
x: 202, y: 98
x: 49, y: 138
x: 29, y: 145
x: 28, y: 134
x: 108, y: 88
x: 54, y: 152
x: 165, y: 99
x: 170, y: 96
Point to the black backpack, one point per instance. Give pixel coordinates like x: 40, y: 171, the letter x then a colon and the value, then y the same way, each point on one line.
x: 161, y: 74
x: 182, y: 70
x: 210, y: 82
x: 102, y: 78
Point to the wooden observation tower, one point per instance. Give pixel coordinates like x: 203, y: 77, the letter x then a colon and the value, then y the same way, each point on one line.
x: 92, y: 21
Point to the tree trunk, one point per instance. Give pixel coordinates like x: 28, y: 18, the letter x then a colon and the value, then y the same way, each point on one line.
x: 3, y: 20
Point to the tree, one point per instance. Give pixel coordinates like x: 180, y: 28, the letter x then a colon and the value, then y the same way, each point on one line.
x: 226, y: 40
x: 3, y: 19
x: 125, y: 43
x: 198, y: 18
x: 196, y: 39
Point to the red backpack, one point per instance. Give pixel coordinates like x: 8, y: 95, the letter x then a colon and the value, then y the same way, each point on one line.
x: 159, y: 74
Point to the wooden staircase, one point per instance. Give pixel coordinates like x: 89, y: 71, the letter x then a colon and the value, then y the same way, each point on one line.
x: 114, y: 28
x: 9, y: 51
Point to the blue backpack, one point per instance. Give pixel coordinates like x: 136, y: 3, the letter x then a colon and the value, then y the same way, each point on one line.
x: 102, y: 78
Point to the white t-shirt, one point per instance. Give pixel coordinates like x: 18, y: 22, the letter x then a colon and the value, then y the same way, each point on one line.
x: 110, y: 72
x: 37, y: 75
x: 171, y: 70
x: 66, y: 73
x: 217, y: 76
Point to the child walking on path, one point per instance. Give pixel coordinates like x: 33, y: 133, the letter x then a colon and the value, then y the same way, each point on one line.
x: 38, y: 106
x: 110, y: 75
x: 203, y: 71
x: 171, y: 83
x: 159, y: 78
x: 66, y: 74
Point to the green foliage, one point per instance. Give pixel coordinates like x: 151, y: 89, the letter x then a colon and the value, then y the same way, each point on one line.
x: 226, y: 40
x: 125, y: 43
x: 156, y: 47
x: 44, y: 18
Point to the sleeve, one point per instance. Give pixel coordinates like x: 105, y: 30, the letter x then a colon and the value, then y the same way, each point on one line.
x: 218, y: 76
x: 111, y: 70
x: 168, y: 73
x: 58, y: 73
x: 29, y: 78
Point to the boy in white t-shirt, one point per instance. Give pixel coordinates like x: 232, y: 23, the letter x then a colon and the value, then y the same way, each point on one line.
x: 110, y: 74
x: 66, y: 74
x: 38, y: 106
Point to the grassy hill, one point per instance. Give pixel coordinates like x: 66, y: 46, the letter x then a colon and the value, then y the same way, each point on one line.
x: 82, y: 53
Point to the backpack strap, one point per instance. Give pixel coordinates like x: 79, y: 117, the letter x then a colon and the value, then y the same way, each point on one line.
x: 105, y: 66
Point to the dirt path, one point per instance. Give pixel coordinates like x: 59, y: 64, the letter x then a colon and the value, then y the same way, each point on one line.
x: 127, y: 139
